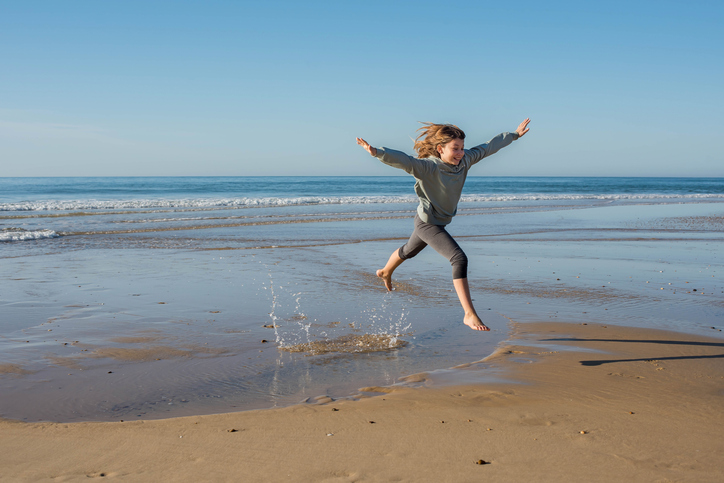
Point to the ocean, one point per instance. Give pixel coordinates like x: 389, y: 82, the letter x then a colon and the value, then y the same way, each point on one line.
x: 38, y: 208
x: 156, y: 297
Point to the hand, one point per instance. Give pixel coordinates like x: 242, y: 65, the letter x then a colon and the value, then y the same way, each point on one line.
x: 366, y: 145
x: 523, y: 128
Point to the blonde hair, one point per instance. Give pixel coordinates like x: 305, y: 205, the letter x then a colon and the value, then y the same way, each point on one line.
x: 434, y: 135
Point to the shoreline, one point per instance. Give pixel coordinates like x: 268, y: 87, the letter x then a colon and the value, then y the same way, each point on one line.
x: 598, y: 402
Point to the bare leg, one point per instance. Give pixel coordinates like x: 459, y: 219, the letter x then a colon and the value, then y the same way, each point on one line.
x: 386, y: 273
x: 471, y: 317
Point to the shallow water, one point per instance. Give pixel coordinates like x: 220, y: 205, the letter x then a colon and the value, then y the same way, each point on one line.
x: 148, y: 312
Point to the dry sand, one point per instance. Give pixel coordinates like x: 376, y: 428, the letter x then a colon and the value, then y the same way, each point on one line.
x: 614, y: 405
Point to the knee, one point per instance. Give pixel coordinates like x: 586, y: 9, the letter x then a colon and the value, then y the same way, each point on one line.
x: 459, y: 258
x: 406, y: 255
x: 459, y: 262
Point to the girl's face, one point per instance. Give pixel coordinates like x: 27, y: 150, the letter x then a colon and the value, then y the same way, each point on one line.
x: 452, y: 152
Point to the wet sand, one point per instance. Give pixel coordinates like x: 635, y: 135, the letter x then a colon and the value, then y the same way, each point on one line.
x: 114, y: 331
x: 581, y: 402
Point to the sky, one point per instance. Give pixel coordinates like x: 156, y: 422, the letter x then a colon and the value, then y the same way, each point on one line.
x: 242, y: 88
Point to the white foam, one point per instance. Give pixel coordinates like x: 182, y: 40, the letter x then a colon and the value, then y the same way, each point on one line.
x: 75, y: 205
x: 574, y: 197
x: 12, y: 235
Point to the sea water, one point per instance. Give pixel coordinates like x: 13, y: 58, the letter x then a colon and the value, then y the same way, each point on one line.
x: 154, y: 297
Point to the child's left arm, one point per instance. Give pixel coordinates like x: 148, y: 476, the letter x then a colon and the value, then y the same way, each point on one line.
x: 497, y: 143
x: 523, y: 128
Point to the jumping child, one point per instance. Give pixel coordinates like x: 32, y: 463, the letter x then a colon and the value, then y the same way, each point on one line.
x: 440, y: 172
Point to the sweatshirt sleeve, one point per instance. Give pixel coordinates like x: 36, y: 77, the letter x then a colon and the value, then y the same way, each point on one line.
x: 397, y: 159
x: 491, y: 147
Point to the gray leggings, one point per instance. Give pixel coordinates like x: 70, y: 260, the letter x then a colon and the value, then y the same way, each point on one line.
x: 440, y: 240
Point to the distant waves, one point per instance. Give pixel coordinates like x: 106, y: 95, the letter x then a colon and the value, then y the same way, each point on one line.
x: 242, y: 202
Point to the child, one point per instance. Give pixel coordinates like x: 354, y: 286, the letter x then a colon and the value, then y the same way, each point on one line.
x: 440, y: 172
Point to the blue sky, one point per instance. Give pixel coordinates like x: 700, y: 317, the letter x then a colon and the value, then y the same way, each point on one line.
x: 91, y: 88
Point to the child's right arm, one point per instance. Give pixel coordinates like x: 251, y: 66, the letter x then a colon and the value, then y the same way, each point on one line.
x: 397, y: 159
x: 367, y: 147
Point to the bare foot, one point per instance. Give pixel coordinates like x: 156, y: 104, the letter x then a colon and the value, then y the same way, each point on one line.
x: 387, y: 279
x: 474, y: 322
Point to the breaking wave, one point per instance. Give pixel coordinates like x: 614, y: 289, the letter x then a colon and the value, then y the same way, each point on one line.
x: 19, y: 234
x: 71, y: 205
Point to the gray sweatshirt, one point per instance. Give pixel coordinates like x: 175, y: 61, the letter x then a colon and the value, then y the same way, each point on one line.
x: 438, y: 184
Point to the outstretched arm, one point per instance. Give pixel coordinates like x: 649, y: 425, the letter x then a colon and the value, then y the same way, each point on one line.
x: 366, y: 145
x: 398, y: 159
x: 497, y: 143
x: 523, y: 128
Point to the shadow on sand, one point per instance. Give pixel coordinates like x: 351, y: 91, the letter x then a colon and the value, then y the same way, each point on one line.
x: 647, y: 359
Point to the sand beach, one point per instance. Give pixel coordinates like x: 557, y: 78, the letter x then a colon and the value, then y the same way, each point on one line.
x: 585, y: 402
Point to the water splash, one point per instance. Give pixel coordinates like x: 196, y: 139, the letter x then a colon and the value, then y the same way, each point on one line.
x: 272, y: 314
x: 349, y: 343
x: 282, y: 331
x: 377, y: 327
